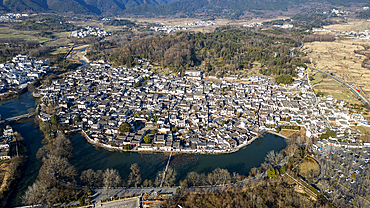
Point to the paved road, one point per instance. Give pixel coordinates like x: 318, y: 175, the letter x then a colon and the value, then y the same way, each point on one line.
x: 124, y: 203
x: 102, y: 194
x: 358, y: 95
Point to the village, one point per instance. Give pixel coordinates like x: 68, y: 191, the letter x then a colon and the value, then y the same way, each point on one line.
x: 169, y: 29
x: 188, y: 112
x: 89, y: 31
x: 16, y: 75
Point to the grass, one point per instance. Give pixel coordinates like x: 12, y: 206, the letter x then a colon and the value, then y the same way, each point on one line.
x: 309, y: 167
x: 6, y: 32
x: 329, y: 86
x: 58, y: 51
x: 363, y: 129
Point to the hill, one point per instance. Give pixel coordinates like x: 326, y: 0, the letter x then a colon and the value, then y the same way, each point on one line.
x: 76, y: 6
x: 235, y: 8
x: 190, y: 8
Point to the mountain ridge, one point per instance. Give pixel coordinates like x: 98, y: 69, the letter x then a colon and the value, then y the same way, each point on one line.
x: 231, y: 8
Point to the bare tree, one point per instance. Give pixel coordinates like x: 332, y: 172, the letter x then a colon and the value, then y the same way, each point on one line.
x: 38, y: 193
x: 147, y: 183
x: 135, y: 176
x: 111, y: 178
x: 56, y: 168
x: 274, y: 158
x: 88, y: 177
x: 193, y: 178
x: 169, y: 178
x: 62, y: 146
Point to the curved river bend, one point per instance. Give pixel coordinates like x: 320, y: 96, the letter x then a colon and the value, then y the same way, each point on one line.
x: 87, y: 156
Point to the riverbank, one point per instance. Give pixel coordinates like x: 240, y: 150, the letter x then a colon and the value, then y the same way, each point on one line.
x: 178, y: 151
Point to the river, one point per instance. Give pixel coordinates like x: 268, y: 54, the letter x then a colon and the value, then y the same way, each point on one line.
x: 87, y: 156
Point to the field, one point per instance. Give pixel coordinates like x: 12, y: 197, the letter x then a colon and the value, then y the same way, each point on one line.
x: 309, y: 168
x: 329, y: 86
x: 339, y: 58
x: 6, y: 32
x: 351, y: 25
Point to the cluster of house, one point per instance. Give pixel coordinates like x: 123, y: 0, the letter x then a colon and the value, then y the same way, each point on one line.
x: 319, y: 30
x: 89, y: 31
x: 21, y: 71
x: 253, y: 24
x: 358, y: 35
x: 200, y: 23
x: 189, y: 113
x: 104, y: 19
x: 169, y: 29
x: 284, y: 26
x: 5, y: 143
x: 11, y: 17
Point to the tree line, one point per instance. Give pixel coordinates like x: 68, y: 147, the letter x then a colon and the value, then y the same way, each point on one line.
x: 225, y: 51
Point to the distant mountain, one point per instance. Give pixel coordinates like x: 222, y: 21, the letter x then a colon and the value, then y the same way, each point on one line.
x: 76, y: 6
x: 230, y: 8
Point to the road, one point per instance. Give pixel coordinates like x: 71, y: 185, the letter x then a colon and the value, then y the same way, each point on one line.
x: 358, y: 95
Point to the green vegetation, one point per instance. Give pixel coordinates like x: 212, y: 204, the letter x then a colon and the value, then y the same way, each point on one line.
x: 284, y: 79
x: 125, y: 127
x: 225, y: 51
x: 147, y: 139
x: 271, y: 173
x: 45, y: 23
x: 116, y: 22
x: 328, y: 134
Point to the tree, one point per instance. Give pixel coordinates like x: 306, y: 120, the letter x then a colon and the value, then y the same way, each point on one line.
x: 37, y: 193
x: 284, y: 79
x: 283, y: 169
x: 193, y: 178
x: 137, y: 84
x: 62, y: 147
x: 169, y: 177
x: 125, y: 127
x: 271, y: 173
x: 147, y: 138
x: 111, y: 178
x: 147, y: 183
x: 88, y: 177
x: 54, y: 119
x: 273, y: 158
x: 135, y: 176
x: 56, y: 168
x: 219, y: 176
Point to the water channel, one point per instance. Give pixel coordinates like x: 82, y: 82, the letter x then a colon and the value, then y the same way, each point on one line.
x: 87, y: 156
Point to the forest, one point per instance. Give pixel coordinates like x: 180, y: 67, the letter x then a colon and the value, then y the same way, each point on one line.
x: 53, y: 23
x: 226, y: 51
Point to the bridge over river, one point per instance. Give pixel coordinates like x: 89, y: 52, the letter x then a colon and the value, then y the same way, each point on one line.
x: 16, y: 118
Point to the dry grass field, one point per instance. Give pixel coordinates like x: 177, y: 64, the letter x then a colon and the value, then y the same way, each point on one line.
x: 339, y: 59
x: 309, y: 168
x: 351, y: 25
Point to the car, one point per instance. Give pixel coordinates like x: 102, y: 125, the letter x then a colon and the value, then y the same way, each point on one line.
x: 354, y: 162
x: 367, y: 160
x: 365, y: 151
x: 361, y: 166
x: 342, y: 164
x: 341, y: 176
x: 343, y: 157
x: 353, y: 181
x: 329, y: 192
x: 347, y: 179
